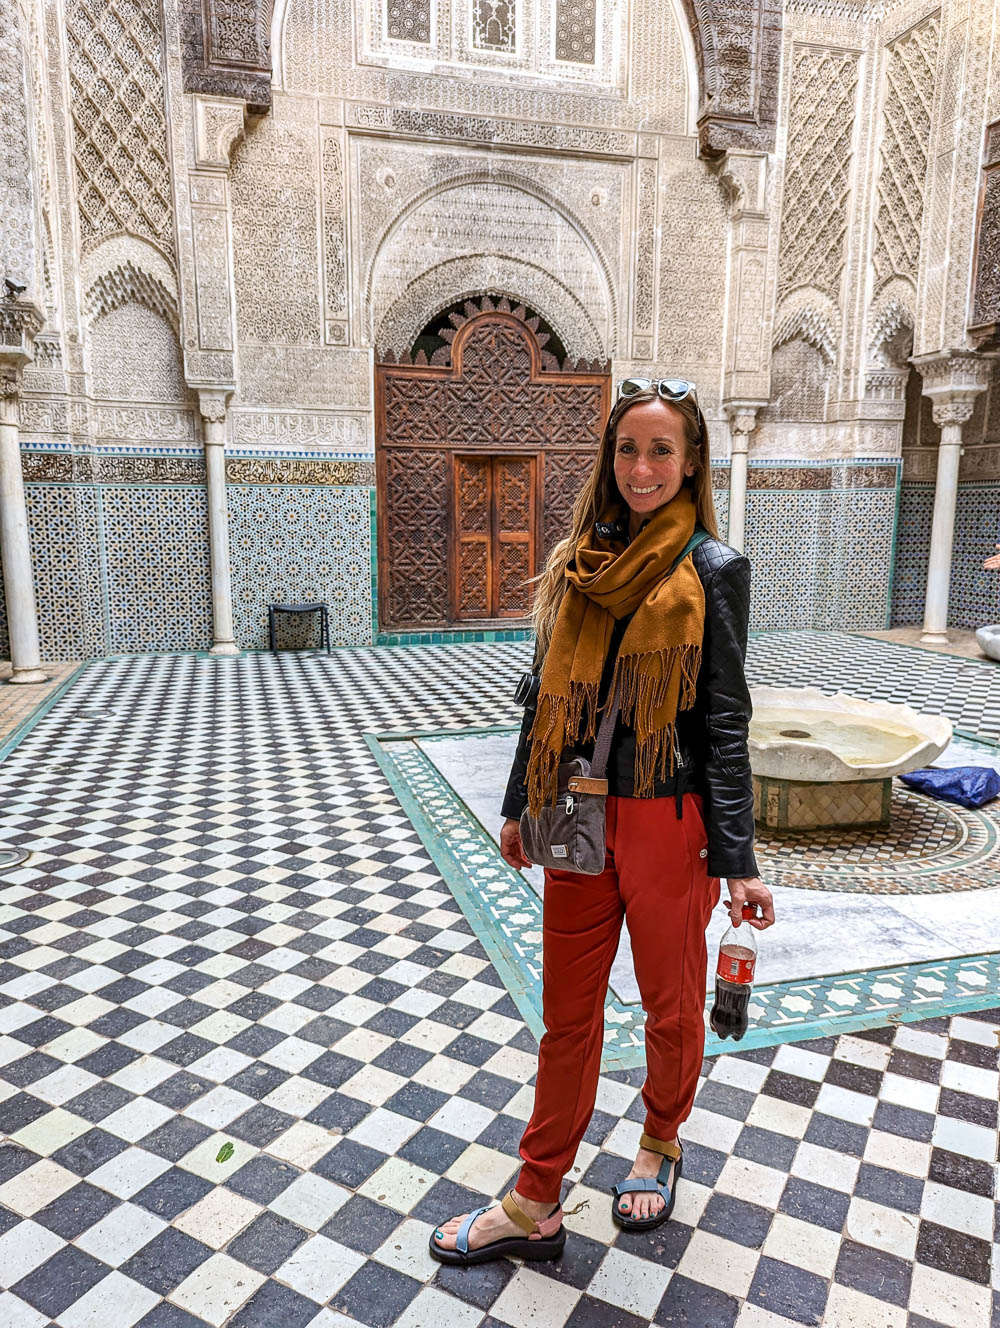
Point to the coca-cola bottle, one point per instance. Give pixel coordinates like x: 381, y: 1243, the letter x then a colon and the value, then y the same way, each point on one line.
x: 734, y: 978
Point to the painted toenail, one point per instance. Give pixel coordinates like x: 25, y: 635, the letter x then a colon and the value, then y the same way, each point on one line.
x: 439, y: 1235
x: 623, y: 1204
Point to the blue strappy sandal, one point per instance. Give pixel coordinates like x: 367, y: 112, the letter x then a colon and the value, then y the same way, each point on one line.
x: 543, y: 1239
x: 672, y: 1154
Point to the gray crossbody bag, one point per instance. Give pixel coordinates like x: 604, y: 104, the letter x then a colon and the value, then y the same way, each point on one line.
x: 570, y: 835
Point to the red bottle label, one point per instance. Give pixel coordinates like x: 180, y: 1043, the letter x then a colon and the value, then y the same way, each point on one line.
x: 736, y: 964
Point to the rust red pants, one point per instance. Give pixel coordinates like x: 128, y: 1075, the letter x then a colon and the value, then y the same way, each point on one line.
x: 655, y: 877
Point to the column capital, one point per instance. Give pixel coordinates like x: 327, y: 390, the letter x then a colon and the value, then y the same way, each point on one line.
x: 953, y: 410
x: 20, y: 323
x: 953, y: 374
x: 212, y: 404
x: 742, y: 416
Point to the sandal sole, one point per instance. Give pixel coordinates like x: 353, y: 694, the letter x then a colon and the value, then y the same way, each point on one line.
x: 517, y: 1247
x: 657, y: 1220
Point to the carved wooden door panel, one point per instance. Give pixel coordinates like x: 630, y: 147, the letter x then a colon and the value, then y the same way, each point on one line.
x: 495, y: 520
x: 478, y: 458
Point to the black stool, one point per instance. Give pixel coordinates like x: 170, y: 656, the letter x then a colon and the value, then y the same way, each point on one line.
x: 324, y: 624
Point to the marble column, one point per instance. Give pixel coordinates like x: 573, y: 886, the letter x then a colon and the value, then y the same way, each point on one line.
x: 15, y: 549
x: 213, y: 416
x: 742, y: 422
x: 949, y: 415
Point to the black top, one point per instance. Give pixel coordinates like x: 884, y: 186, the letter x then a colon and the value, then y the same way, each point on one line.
x: 712, y: 753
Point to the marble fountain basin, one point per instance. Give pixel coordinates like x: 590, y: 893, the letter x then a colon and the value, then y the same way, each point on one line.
x: 989, y: 640
x: 821, y: 761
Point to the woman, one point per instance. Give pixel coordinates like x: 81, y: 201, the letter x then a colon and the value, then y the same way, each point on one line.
x: 679, y: 812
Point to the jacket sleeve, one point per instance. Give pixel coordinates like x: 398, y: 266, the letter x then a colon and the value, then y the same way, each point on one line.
x: 516, y: 797
x: 726, y: 697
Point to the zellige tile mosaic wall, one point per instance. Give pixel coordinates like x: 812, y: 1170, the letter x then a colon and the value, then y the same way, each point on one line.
x: 974, y: 596
x: 819, y: 540
x: 296, y: 544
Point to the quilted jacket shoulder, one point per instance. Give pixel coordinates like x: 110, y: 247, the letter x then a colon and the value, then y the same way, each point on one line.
x: 712, y: 554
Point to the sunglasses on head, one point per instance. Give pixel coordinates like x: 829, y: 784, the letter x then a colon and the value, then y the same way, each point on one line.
x: 672, y: 389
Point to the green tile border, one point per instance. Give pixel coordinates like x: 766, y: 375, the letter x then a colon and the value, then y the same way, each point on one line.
x: 505, y: 914
x: 18, y: 734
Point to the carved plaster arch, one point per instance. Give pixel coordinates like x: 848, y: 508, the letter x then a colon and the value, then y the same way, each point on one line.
x: 125, y: 268
x: 468, y: 277
x: 889, y: 315
x: 810, y: 314
x: 394, y: 249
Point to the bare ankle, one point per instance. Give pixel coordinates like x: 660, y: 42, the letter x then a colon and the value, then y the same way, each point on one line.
x: 534, y: 1207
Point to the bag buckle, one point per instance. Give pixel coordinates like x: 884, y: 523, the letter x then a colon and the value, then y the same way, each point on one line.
x: 570, y: 804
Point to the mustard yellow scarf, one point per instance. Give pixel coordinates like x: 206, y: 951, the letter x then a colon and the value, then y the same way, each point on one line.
x: 658, y: 661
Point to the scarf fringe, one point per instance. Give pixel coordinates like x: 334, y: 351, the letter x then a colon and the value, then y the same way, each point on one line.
x: 555, y: 716
x: 644, y: 682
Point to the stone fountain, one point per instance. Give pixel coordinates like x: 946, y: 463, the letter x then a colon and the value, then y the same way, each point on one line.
x: 821, y: 761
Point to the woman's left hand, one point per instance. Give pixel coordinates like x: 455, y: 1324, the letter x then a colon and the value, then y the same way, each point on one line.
x: 749, y: 890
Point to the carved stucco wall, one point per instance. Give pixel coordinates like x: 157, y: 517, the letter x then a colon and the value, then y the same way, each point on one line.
x: 489, y: 235
x: 315, y: 52
x: 541, y: 148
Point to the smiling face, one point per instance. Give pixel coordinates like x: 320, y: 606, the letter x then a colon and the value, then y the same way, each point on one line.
x: 650, y: 457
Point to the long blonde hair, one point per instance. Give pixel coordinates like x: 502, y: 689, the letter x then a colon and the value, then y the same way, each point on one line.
x: 600, y: 490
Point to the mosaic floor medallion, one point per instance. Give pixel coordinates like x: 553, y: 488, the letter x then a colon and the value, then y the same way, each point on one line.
x: 927, y: 848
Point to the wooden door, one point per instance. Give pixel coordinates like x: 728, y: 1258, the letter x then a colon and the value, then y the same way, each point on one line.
x: 495, y: 506
x: 478, y: 458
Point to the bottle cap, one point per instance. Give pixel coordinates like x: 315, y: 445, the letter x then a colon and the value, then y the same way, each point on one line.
x: 749, y: 910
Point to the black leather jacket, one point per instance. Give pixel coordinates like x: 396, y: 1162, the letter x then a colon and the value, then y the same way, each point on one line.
x: 712, y: 736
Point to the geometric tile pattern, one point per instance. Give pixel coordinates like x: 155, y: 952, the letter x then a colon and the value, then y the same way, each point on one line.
x: 803, y: 548
x: 913, y: 547
x: 927, y: 847
x: 156, y: 567
x: 974, y: 594
x: 228, y: 932
x: 118, y: 568
x: 65, y: 560
x: 293, y: 544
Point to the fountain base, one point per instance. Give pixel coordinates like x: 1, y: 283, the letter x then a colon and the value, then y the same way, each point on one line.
x: 796, y: 804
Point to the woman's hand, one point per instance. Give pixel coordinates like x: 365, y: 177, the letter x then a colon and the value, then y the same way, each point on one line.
x: 749, y: 890
x: 510, y: 845
x: 993, y: 561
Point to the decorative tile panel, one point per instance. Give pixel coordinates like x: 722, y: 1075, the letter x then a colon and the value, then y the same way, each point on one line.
x: 805, y: 527
x: 913, y: 546
x: 974, y: 594
x: 156, y: 568
x: 295, y: 544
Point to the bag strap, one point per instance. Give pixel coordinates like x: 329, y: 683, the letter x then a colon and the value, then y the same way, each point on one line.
x: 602, y: 747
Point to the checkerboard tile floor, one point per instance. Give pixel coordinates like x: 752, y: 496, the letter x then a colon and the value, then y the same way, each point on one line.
x: 228, y: 933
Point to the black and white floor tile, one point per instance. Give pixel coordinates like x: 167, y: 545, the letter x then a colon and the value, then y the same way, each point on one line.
x: 227, y: 933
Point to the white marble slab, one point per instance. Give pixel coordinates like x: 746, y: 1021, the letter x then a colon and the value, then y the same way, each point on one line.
x: 817, y: 932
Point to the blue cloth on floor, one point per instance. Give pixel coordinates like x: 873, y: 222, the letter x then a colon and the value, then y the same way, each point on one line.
x: 968, y: 785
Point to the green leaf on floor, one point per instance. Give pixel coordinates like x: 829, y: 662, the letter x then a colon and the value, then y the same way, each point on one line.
x: 225, y: 1152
